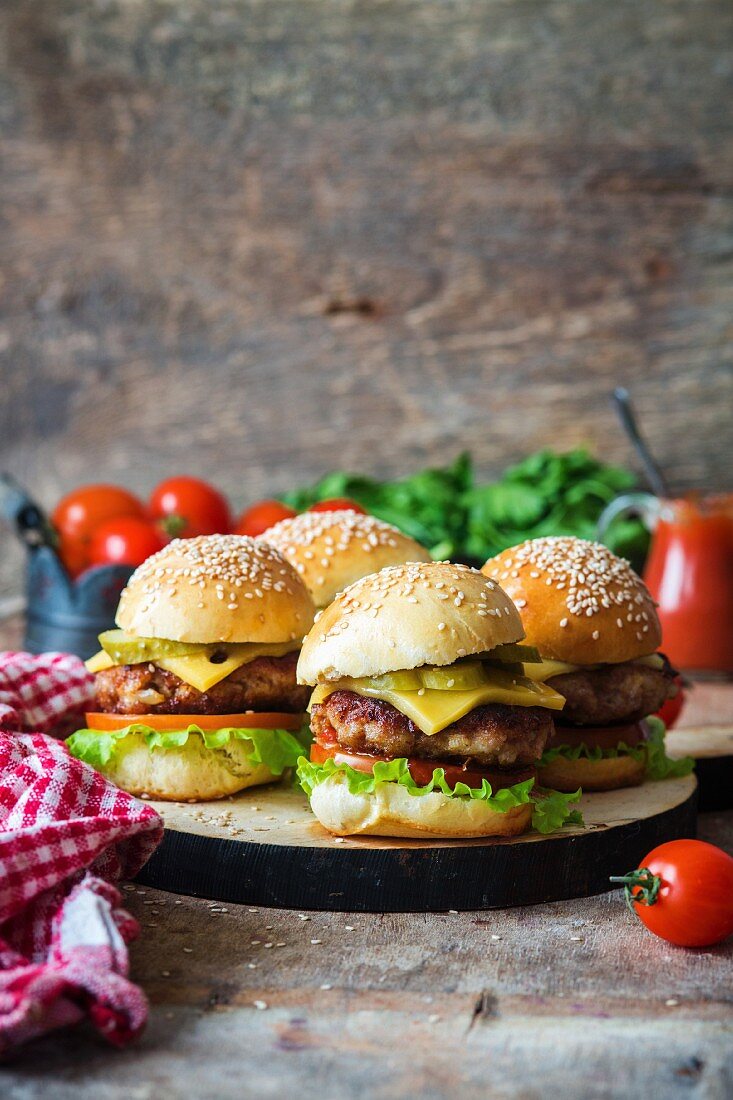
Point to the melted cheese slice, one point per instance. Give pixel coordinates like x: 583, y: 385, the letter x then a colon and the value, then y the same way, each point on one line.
x: 200, y: 672
x: 99, y: 662
x: 433, y: 710
x: 547, y: 668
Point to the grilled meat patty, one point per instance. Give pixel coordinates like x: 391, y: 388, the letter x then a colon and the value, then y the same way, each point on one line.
x: 494, y: 734
x: 615, y: 693
x: 268, y: 683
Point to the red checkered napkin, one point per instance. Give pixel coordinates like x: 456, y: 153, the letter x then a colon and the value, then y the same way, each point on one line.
x: 38, y: 693
x: 65, y: 835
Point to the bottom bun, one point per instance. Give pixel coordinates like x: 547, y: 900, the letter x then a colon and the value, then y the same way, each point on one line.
x: 608, y: 774
x: 189, y: 773
x: 391, y: 811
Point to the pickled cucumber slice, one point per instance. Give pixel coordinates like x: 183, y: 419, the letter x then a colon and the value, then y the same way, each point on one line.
x: 459, y: 677
x: 129, y: 649
x: 512, y: 652
x: 402, y: 680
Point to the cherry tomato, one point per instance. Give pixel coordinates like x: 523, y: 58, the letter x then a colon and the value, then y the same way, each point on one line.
x: 422, y: 770
x: 124, y: 541
x: 671, y: 710
x: 74, y: 555
x: 260, y: 517
x: 187, y: 506
x: 683, y: 892
x: 78, y: 514
x: 337, y: 504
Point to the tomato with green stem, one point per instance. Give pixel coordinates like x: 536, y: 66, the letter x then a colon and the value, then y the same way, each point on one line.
x: 187, y: 506
x: 683, y: 893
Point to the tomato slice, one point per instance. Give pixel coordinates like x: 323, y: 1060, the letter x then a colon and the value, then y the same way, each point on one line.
x: 252, y: 720
x: 671, y: 710
x: 422, y: 770
x: 603, y: 737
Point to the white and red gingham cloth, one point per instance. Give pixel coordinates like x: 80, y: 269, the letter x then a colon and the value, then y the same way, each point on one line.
x: 66, y: 834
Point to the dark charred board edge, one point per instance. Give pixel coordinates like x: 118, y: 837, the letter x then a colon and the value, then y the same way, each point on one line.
x: 713, y: 762
x: 401, y: 879
x: 714, y: 783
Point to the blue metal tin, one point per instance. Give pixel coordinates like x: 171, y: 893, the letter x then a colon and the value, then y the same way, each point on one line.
x: 62, y: 614
x: 68, y: 614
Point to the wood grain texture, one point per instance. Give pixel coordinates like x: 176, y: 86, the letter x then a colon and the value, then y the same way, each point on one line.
x: 573, y: 999
x: 259, y: 239
x: 265, y: 847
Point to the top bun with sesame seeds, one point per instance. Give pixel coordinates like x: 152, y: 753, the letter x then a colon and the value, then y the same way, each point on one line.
x: 422, y: 613
x: 216, y: 588
x: 579, y: 602
x: 331, y: 550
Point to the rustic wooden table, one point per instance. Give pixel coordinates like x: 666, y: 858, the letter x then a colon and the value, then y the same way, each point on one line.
x: 573, y: 998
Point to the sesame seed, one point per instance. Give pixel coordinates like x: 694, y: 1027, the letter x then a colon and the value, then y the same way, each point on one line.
x: 591, y: 576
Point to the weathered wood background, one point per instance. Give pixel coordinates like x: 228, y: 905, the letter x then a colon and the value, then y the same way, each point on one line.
x: 260, y: 238
x: 573, y: 1000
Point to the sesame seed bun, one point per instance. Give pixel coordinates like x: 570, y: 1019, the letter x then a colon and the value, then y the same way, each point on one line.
x: 190, y: 772
x: 579, y: 602
x: 392, y: 811
x: 407, y: 616
x: 608, y: 774
x: 330, y: 550
x: 216, y: 588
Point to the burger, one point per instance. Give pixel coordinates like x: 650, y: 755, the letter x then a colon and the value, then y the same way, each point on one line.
x: 596, y: 628
x: 196, y: 695
x: 424, y: 723
x: 330, y: 550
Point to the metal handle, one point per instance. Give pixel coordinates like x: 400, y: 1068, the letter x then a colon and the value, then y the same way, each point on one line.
x: 645, y: 505
x: 624, y: 408
x: 31, y: 522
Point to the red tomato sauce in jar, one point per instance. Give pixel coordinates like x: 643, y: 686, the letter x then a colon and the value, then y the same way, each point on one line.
x: 690, y: 574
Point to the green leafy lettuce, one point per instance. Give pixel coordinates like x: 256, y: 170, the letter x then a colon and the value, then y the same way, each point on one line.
x: 546, y: 494
x: 658, y: 764
x: 551, y: 809
x: 276, y: 749
x: 427, y: 506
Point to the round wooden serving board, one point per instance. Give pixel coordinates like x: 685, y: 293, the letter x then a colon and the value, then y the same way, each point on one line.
x: 264, y: 847
x: 712, y: 749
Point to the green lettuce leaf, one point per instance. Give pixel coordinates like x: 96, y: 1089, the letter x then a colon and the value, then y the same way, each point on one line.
x: 275, y: 748
x: 549, y: 493
x: 658, y: 764
x: 550, y: 808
